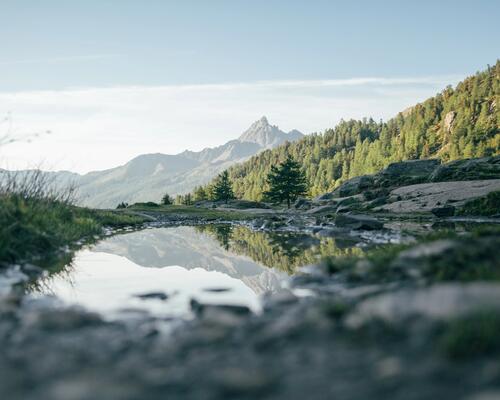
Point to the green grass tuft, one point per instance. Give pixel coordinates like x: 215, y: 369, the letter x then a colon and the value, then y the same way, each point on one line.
x: 34, y: 228
x: 472, y: 336
x: 485, y: 206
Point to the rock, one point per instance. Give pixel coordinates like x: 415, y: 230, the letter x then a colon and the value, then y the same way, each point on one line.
x: 323, y: 197
x: 448, y: 120
x: 217, y: 289
x: 432, y: 249
x: 241, y: 382
x: 358, y: 222
x: 201, y: 308
x: 302, y: 203
x: 405, y: 172
x: 446, y: 211
x: 354, y: 186
x: 60, y: 320
x: 466, y: 170
x: 424, y: 197
x: 323, y: 209
x: 152, y: 295
x: 442, y: 302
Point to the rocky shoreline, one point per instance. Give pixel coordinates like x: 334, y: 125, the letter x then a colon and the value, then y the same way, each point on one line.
x: 408, y: 323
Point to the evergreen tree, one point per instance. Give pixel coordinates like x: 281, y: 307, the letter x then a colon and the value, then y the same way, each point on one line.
x: 200, y: 194
x: 222, y: 188
x: 187, y: 199
x: 166, y: 200
x: 286, y: 182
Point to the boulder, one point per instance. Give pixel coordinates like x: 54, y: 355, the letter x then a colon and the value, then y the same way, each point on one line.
x: 469, y: 169
x: 404, y: 172
x: 358, y: 222
x: 152, y: 295
x: 446, y: 211
x: 323, y: 197
x: 302, y: 203
x: 354, y: 186
x: 329, y: 208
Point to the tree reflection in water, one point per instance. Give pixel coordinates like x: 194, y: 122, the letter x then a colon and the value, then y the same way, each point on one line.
x: 284, y: 251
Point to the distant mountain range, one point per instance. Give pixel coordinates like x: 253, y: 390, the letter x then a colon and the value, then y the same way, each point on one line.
x: 148, y: 177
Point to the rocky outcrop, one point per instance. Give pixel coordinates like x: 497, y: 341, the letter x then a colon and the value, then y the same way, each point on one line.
x: 448, y: 120
x: 418, y: 186
x: 428, y: 196
x: 469, y: 169
x: 354, y: 186
x: 407, y: 172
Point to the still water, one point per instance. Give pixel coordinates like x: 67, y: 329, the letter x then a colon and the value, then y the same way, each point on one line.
x: 160, y: 270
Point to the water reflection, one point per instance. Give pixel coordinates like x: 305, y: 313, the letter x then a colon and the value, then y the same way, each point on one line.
x: 184, y: 263
x: 283, y: 251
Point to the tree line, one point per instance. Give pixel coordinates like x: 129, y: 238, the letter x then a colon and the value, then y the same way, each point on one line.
x: 459, y: 122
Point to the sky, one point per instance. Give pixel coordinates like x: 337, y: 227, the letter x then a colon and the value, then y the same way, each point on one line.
x: 88, y: 85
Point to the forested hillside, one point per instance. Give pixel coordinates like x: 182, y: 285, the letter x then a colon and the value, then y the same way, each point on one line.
x: 457, y: 123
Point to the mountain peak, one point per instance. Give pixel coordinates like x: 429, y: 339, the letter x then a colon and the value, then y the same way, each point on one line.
x: 266, y: 135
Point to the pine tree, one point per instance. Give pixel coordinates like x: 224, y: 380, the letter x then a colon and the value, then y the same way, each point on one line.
x: 200, y: 194
x: 222, y: 188
x: 286, y: 182
x: 166, y: 200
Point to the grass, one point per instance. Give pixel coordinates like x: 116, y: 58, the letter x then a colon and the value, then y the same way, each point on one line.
x: 35, y: 228
x: 485, y: 206
x: 192, y: 212
x: 472, y: 336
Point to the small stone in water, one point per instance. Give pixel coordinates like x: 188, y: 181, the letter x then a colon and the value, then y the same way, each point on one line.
x: 217, y: 289
x: 153, y: 295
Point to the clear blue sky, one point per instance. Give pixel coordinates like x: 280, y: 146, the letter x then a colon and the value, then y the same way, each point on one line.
x: 57, y: 44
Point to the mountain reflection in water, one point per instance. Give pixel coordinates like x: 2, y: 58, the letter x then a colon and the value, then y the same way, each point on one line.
x: 223, y: 264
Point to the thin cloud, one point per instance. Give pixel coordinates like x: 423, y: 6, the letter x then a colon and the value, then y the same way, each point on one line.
x: 272, y: 84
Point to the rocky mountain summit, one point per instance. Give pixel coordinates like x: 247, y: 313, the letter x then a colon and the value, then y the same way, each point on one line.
x: 266, y: 135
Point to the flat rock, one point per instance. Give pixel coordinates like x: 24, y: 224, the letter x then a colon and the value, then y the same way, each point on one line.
x: 358, y: 222
x: 426, y: 196
x: 444, y: 301
x: 329, y: 208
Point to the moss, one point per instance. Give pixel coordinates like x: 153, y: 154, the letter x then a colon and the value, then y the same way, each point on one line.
x: 472, y: 336
x: 484, y: 206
